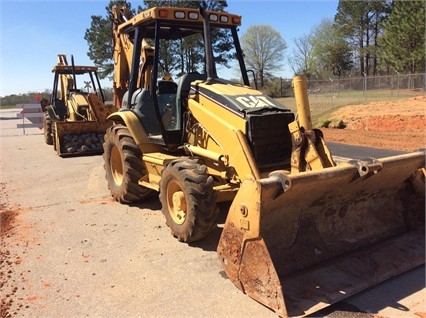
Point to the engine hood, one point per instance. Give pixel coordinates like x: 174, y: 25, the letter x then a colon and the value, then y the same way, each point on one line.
x: 237, y: 98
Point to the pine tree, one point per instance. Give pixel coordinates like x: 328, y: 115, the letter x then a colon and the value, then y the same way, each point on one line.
x: 99, y: 39
x: 403, y: 41
x: 358, y: 22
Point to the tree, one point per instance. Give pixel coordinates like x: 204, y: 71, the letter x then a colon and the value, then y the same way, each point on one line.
x: 263, y: 49
x: 337, y: 58
x: 99, y: 39
x: 331, y: 53
x: 358, y: 22
x: 381, y: 10
x: 403, y: 41
x: 301, y: 58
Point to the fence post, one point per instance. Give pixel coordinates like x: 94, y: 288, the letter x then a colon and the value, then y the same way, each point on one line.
x: 397, y: 83
x: 424, y: 84
x: 365, y: 86
x: 23, y: 120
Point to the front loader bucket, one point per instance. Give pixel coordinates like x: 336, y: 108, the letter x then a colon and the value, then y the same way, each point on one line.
x: 79, y: 138
x: 298, y: 243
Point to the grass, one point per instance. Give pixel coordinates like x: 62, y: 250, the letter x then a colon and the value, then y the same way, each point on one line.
x: 7, y: 106
x: 324, y: 104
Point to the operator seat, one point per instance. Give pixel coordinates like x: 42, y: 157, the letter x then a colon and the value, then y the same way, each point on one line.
x: 184, y: 86
x: 166, y: 87
x: 183, y: 89
x: 143, y: 106
x: 60, y: 109
x: 166, y: 98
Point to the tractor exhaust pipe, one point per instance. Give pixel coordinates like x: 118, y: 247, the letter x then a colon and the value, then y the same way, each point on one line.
x: 302, y: 102
x: 210, y: 67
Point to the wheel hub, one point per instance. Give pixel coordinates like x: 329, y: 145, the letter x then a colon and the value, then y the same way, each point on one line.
x: 116, y: 165
x: 178, y: 208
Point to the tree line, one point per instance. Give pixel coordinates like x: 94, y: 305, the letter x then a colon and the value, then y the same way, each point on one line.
x: 35, y: 97
x: 27, y: 98
x: 366, y: 37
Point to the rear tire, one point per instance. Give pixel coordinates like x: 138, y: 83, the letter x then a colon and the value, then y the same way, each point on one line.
x: 188, y: 200
x: 123, y: 166
x: 54, y: 135
x: 47, y: 128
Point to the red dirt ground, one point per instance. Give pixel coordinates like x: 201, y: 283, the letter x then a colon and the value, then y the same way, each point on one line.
x: 397, y: 125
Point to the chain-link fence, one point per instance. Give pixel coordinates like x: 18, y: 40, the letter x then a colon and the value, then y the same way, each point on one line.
x: 327, y: 94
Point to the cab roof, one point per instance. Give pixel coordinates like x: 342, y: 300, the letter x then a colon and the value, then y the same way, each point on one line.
x: 177, y: 22
x: 67, y: 69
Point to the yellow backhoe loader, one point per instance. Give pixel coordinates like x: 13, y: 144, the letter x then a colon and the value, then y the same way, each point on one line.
x: 75, y: 120
x: 302, y: 231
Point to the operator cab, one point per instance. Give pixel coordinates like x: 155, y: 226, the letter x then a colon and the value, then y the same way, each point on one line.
x: 71, y: 86
x: 161, y: 105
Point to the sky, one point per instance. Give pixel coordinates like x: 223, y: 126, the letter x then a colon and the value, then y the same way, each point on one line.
x: 33, y: 32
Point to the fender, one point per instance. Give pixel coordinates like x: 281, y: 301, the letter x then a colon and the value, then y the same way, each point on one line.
x: 52, y: 114
x: 132, y: 122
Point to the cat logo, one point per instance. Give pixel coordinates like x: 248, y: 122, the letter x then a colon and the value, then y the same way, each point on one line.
x: 252, y: 101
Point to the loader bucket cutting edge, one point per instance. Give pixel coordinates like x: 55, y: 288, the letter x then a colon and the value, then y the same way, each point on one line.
x: 303, y: 244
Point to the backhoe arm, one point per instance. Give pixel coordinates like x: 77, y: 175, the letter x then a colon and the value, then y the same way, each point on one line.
x: 123, y: 49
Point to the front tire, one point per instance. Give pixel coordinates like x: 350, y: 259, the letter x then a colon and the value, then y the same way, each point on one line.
x: 123, y: 166
x: 54, y: 135
x: 47, y: 129
x: 188, y: 200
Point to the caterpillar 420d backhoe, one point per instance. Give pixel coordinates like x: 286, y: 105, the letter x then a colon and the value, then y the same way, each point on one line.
x: 75, y: 120
x: 302, y: 232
